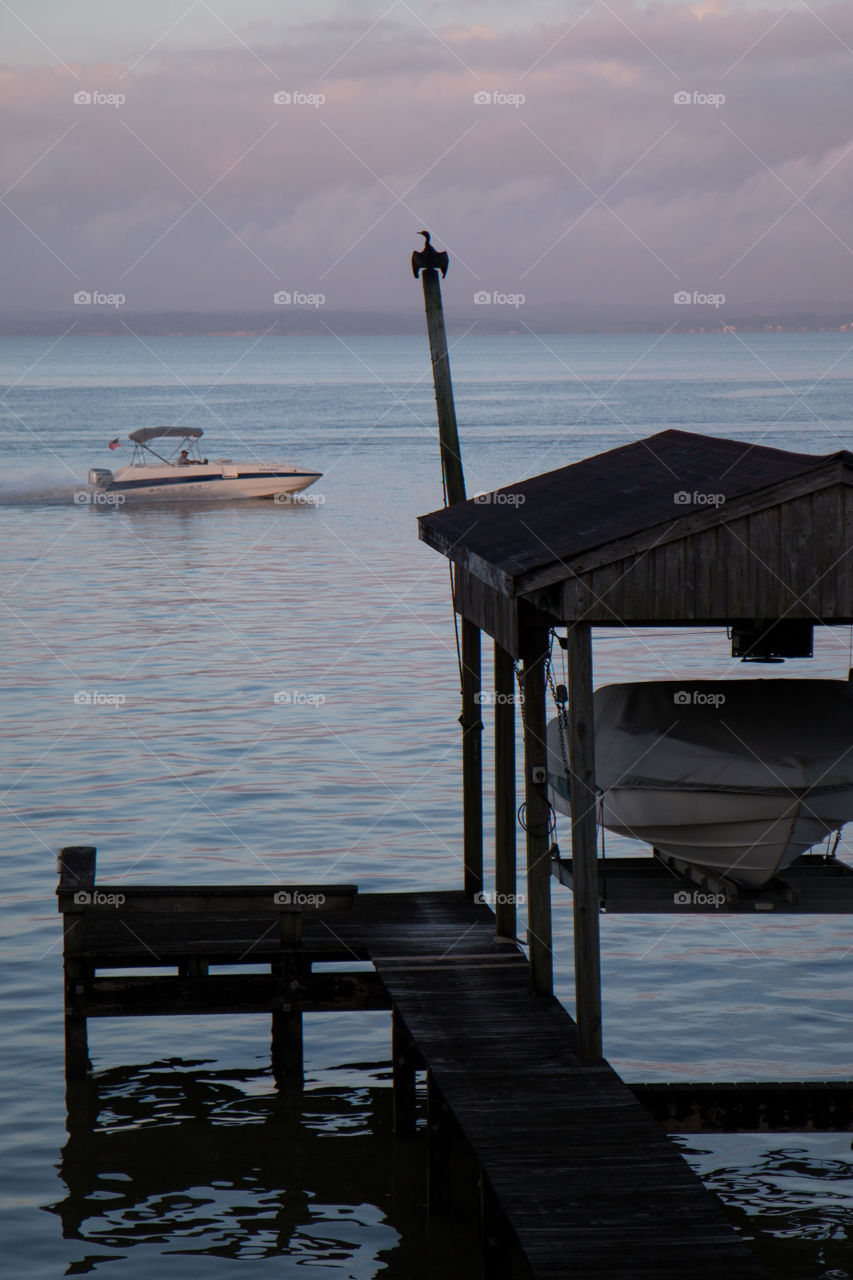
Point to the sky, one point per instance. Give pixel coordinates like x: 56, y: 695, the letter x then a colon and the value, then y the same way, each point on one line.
x: 243, y: 154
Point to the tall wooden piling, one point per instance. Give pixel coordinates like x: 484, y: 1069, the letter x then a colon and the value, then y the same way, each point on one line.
x: 454, y: 490
x: 448, y: 433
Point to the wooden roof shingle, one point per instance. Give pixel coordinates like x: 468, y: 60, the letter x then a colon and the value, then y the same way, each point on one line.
x: 666, y: 485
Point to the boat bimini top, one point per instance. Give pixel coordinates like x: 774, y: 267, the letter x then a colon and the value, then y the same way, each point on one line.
x: 188, y: 436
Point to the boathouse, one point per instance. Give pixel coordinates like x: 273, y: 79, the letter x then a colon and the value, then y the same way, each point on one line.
x: 678, y: 529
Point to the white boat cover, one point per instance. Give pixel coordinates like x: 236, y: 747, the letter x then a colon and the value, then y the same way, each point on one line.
x: 759, y: 736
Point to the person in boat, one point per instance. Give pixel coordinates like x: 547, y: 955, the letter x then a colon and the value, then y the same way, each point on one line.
x: 184, y: 459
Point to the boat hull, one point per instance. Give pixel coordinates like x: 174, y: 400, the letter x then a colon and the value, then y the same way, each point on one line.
x: 747, y: 838
x: 209, y: 480
x: 737, y: 777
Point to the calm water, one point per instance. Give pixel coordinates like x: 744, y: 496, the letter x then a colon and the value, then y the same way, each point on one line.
x: 142, y: 654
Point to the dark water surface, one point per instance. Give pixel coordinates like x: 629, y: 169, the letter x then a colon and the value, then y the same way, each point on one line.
x: 142, y: 653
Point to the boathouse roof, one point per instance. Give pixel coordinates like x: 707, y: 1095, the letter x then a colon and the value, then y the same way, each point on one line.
x: 677, y: 528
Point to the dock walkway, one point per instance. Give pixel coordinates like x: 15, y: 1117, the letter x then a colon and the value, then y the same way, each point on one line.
x: 576, y: 1177
x: 589, y: 1185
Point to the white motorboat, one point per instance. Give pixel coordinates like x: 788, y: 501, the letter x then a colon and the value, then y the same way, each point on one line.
x: 175, y: 469
x: 737, y: 776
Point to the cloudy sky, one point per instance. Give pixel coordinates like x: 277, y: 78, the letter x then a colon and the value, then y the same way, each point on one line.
x: 207, y: 154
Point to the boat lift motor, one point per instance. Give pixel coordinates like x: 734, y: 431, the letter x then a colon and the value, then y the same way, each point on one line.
x: 772, y: 640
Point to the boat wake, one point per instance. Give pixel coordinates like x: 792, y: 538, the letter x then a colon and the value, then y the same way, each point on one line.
x: 44, y: 491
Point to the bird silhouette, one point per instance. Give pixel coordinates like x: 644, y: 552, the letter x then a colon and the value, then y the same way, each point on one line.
x: 429, y: 257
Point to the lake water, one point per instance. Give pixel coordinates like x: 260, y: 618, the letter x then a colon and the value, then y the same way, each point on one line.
x: 142, y: 653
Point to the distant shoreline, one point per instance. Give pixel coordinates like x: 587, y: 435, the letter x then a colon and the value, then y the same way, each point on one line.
x: 325, y: 322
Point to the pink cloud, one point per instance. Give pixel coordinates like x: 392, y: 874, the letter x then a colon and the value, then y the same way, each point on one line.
x: 598, y: 185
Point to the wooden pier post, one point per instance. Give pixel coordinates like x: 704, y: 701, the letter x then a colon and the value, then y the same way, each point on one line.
x: 537, y: 811
x: 585, y: 894
x: 454, y: 491
x: 76, y: 867
x: 403, y: 1069
x: 448, y: 433
x: 287, y: 1048
x: 505, y: 876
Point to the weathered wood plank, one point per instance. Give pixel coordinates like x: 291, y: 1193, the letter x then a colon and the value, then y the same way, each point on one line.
x: 197, y: 899
x: 226, y: 993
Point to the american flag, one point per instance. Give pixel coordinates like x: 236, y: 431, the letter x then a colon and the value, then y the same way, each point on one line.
x: 115, y: 444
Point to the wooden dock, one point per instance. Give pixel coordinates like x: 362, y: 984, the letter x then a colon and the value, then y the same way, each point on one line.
x: 574, y: 1177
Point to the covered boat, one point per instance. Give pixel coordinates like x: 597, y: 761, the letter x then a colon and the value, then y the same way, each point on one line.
x: 736, y: 776
x: 167, y: 464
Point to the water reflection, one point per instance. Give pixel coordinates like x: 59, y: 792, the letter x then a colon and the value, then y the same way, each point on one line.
x: 177, y: 1160
x: 791, y: 1196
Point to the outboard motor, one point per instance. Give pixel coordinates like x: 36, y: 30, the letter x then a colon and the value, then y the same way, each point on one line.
x: 100, y: 477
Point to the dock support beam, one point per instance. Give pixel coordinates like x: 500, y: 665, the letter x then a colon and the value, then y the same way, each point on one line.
x: 537, y: 811
x: 585, y: 894
x: 472, y: 759
x: 505, y: 889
